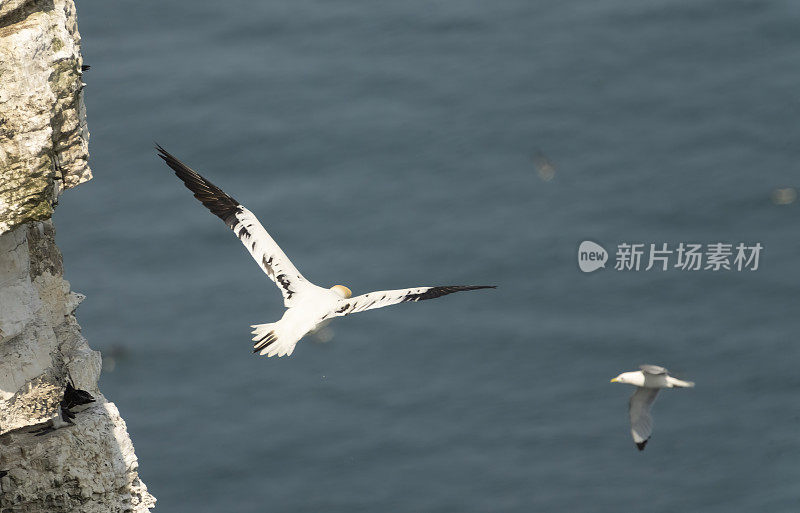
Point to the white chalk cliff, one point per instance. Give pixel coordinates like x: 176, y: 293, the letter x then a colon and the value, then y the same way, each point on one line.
x: 89, y: 466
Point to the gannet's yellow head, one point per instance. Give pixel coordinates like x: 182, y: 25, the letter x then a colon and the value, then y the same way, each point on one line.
x: 342, y: 291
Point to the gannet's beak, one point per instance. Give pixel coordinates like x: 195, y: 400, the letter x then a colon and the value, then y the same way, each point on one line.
x: 615, y: 380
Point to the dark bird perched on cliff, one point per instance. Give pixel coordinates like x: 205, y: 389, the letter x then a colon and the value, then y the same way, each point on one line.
x: 648, y: 381
x: 85, y: 67
x: 75, y: 396
x: 72, y: 397
x: 308, y: 306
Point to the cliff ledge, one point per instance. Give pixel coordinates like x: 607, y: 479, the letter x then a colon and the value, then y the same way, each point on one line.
x: 89, y: 465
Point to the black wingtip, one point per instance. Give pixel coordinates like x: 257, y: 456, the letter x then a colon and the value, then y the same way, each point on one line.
x: 164, y: 154
x: 161, y: 151
x: 640, y: 445
x: 448, y: 289
x: 214, y: 198
x: 168, y: 157
x: 443, y: 290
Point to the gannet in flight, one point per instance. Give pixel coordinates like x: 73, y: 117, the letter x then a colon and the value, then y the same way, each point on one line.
x: 308, y: 307
x: 648, y: 381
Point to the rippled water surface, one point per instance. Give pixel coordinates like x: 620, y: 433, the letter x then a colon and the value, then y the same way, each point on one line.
x: 387, y: 145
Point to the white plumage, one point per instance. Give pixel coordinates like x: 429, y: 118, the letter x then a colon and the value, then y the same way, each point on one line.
x: 308, y: 306
x: 648, y: 380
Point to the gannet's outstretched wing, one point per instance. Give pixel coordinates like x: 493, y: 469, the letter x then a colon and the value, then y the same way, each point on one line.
x: 383, y: 298
x: 639, y: 411
x: 244, y: 224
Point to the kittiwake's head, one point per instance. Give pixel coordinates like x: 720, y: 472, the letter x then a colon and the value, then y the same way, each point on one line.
x: 629, y: 377
x: 342, y: 291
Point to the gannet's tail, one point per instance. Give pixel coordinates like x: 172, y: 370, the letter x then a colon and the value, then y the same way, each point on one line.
x: 267, y: 340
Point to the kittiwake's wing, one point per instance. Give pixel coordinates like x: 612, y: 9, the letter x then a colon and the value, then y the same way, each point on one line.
x: 245, y: 225
x: 383, y: 298
x: 655, y: 370
x: 639, y: 411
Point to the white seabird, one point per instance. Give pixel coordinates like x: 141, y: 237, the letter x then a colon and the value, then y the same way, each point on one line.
x: 308, y: 306
x: 649, y: 380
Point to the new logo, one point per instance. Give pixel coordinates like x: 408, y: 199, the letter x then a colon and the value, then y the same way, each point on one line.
x: 591, y: 256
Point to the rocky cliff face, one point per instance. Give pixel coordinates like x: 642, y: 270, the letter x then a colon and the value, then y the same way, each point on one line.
x: 90, y: 465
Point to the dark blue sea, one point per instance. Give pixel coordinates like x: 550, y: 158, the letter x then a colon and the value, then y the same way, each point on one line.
x: 397, y: 144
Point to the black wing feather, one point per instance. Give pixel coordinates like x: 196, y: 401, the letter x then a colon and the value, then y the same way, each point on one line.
x: 435, y: 292
x: 217, y: 201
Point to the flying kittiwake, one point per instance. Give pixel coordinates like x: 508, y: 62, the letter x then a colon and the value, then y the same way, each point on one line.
x: 648, y: 381
x: 308, y: 306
